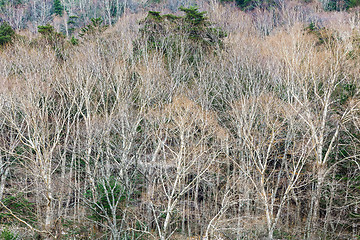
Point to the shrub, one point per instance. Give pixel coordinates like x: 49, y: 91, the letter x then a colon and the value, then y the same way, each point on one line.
x: 324, y: 36
x: 6, y: 34
x: 6, y: 234
x: 109, y: 193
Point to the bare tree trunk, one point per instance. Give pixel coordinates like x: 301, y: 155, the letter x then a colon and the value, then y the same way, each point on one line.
x: 49, y: 218
x: 4, y: 170
x: 316, y: 199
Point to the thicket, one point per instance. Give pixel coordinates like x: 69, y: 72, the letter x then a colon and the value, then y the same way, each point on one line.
x: 194, y: 125
x: 328, y: 5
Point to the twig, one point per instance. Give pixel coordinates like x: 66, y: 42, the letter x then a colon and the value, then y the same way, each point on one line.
x: 24, y: 222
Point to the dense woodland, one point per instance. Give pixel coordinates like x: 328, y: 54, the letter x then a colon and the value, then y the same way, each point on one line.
x: 162, y: 120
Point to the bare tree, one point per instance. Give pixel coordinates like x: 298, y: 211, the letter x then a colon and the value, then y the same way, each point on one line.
x: 184, y: 153
x: 276, y: 156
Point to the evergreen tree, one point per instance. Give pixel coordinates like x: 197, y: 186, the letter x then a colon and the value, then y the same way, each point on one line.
x: 193, y: 16
x: 72, y: 24
x: 353, y: 3
x: 251, y: 4
x: 194, y: 26
x: 6, y: 33
x: 51, y: 37
x: 94, y: 28
x: 58, y: 8
x: 244, y: 4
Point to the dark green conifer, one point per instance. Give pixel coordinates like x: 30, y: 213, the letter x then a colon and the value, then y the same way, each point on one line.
x: 6, y: 33
x: 194, y: 16
x: 58, y: 8
x: 353, y: 3
x: 94, y: 28
x: 50, y: 36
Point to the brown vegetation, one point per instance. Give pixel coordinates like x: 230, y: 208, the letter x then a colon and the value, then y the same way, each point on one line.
x: 256, y: 137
